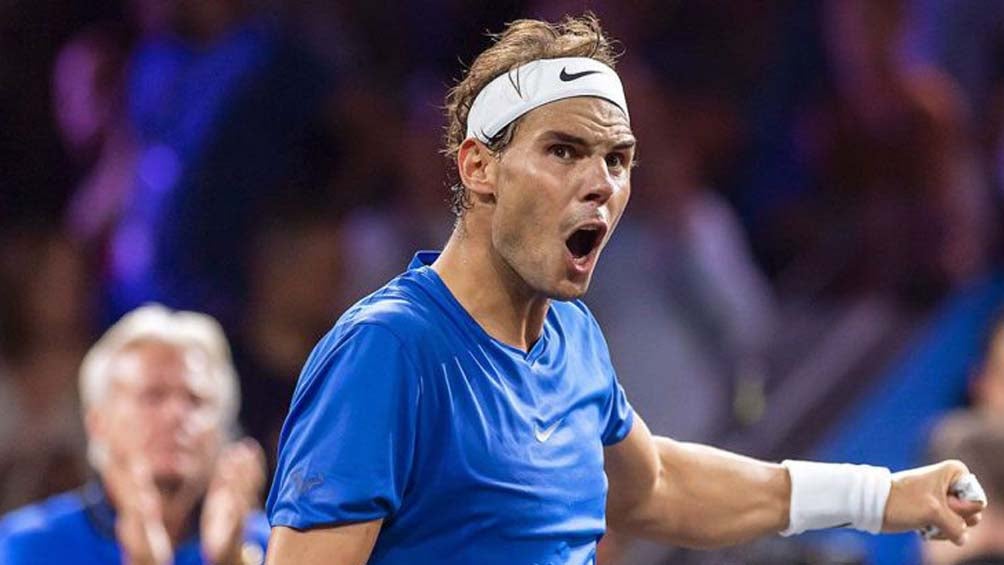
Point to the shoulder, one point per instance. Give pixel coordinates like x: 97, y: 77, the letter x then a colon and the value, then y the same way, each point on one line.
x: 402, y: 310
x: 41, y: 525
x: 385, y: 329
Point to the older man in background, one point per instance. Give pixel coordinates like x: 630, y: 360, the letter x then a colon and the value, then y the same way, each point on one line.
x: 160, y: 399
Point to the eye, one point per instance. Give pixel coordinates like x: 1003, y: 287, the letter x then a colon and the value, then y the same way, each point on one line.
x: 615, y: 160
x: 196, y: 400
x: 561, y: 151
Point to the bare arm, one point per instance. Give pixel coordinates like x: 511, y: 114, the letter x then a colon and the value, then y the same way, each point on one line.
x: 698, y: 496
x: 350, y: 544
x: 692, y: 495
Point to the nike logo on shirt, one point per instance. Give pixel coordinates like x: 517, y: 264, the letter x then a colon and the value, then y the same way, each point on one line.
x: 566, y: 77
x: 543, y: 434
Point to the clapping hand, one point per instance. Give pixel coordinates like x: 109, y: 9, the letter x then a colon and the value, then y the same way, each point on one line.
x: 233, y: 493
x: 139, y: 524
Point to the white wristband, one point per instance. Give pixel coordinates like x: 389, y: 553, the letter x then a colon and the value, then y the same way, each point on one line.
x: 827, y: 495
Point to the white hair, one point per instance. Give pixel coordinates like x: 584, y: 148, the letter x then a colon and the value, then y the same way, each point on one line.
x: 153, y: 322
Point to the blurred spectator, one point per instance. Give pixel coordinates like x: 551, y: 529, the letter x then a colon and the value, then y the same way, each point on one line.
x: 299, y: 284
x: 223, y: 105
x: 423, y: 210
x: 966, y: 38
x: 977, y: 439
x: 87, y: 101
x: 903, y: 207
x: 43, y: 330
x: 37, y: 176
x: 159, y: 396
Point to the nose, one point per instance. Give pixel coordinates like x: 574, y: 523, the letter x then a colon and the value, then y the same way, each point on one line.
x: 599, y: 185
x: 176, y: 409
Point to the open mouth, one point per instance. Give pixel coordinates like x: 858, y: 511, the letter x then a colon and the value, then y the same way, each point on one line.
x: 584, y: 241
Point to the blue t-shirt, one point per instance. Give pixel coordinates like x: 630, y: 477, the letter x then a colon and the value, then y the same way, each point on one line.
x: 470, y: 450
x: 79, y: 527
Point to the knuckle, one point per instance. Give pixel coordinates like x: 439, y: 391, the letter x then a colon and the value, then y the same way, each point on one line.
x: 956, y: 465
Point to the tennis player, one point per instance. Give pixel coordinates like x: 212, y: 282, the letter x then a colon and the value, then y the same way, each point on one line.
x: 468, y: 413
x: 160, y: 399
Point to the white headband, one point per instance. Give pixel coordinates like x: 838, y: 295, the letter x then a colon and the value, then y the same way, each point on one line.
x: 536, y: 83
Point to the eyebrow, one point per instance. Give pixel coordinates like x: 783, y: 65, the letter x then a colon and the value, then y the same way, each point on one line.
x: 576, y: 140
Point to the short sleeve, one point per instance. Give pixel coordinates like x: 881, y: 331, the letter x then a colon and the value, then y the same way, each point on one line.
x: 620, y: 414
x: 347, y: 444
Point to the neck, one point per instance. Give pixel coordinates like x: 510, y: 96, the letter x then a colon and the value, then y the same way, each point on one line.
x: 486, y: 286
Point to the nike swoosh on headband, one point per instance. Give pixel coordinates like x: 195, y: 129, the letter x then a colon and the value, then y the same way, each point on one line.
x: 566, y: 77
x: 512, y: 94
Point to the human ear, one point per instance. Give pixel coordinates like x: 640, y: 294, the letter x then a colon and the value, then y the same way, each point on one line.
x: 477, y: 167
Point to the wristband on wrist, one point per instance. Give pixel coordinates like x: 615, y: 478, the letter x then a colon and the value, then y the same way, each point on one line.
x: 828, y: 495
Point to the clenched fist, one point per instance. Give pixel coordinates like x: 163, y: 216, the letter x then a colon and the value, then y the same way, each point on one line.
x: 920, y: 497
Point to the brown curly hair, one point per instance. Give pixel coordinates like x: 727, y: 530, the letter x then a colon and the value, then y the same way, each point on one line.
x: 521, y: 42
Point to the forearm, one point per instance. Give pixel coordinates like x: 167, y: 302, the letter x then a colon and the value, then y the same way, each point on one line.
x: 707, y: 497
x: 698, y: 496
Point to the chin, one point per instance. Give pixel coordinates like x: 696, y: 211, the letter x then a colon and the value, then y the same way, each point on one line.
x: 567, y: 291
x: 168, y: 482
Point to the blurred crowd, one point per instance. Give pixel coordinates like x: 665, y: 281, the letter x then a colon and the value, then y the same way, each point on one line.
x: 815, y: 179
